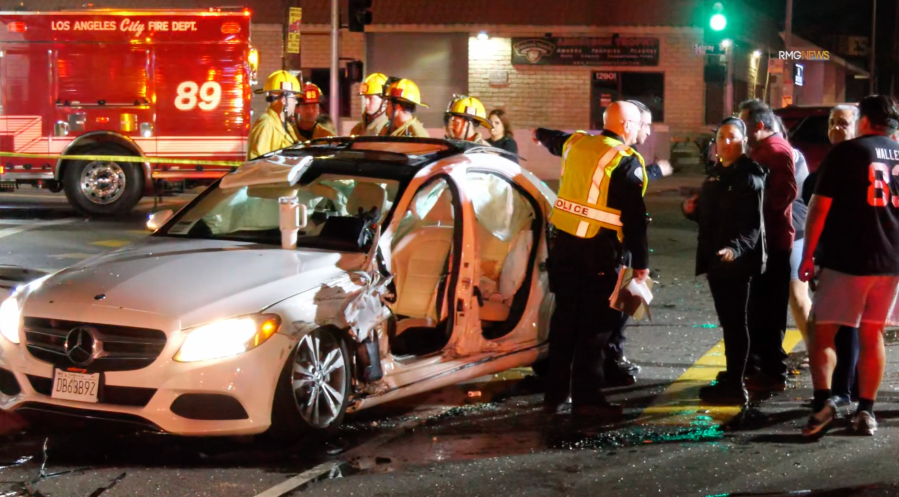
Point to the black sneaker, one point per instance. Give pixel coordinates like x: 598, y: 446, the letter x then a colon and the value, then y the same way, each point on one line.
x: 619, y: 379
x: 725, y: 392
x: 819, y: 422
x: 766, y: 383
x: 864, y: 423
x: 626, y: 365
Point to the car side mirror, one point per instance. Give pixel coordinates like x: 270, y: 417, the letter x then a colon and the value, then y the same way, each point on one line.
x: 292, y: 218
x: 158, y: 219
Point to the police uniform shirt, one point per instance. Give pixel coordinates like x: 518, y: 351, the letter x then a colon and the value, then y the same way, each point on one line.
x: 861, y: 233
x: 625, y: 194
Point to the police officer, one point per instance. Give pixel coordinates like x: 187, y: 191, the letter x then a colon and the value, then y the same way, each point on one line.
x: 403, y: 98
x: 374, y: 113
x: 272, y: 131
x: 308, y: 109
x: 598, y: 216
x: 465, y: 115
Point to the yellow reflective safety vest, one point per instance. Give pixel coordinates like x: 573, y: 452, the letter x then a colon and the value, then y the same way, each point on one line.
x: 587, y: 165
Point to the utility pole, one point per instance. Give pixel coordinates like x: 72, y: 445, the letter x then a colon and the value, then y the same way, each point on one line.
x: 335, y: 65
x: 788, y: 67
x: 729, y: 88
x: 873, y: 87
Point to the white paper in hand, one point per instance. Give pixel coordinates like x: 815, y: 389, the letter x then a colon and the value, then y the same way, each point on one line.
x: 640, y: 289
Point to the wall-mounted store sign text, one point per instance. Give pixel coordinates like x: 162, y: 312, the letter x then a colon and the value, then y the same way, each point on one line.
x: 608, y: 51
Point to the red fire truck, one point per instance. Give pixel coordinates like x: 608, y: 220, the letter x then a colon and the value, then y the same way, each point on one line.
x: 141, y: 83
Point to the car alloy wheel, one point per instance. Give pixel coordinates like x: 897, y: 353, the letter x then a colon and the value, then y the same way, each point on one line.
x: 319, y: 378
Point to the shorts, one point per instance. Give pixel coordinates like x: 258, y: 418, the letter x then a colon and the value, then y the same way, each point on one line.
x: 850, y: 300
x: 796, y: 258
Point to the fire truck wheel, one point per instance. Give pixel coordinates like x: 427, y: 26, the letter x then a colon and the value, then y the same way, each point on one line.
x: 103, y: 188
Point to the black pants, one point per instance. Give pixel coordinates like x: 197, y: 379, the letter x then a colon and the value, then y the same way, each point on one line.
x: 731, y: 298
x: 769, y: 301
x: 615, y: 349
x: 843, y: 381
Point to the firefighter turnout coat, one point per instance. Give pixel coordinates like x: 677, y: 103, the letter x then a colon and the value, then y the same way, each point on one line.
x: 317, y: 131
x: 372, y: 128
x: 601, y: 193
x: 269, y: 134
x: 411, y: 127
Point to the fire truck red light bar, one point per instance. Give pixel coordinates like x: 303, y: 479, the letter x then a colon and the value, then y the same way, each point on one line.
x: 230, y: 28
x: 16, y: 27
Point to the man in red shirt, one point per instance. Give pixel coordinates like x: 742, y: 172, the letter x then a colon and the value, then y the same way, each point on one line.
x: 769, y: 293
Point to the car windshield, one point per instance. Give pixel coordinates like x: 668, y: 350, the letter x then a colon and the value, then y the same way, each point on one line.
x: 335, y: 206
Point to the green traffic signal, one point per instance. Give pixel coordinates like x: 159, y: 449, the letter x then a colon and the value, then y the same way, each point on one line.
x: 718, y: 22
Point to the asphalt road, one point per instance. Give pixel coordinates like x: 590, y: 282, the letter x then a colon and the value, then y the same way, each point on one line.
x: 487, y: 438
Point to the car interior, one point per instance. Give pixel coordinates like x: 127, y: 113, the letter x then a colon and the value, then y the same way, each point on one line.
x: 422, y: 260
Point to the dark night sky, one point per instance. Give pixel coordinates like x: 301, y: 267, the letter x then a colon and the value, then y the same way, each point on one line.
x: 812, y: 17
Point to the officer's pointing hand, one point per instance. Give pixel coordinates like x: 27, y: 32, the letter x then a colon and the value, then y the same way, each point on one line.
x: 727, y: 254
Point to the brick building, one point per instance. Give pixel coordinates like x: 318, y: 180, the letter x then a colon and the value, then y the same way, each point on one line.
x: 437, y: 45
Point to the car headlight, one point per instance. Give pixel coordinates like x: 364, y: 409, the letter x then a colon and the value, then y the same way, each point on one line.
x: 228, y: 337
x: 10, y: 319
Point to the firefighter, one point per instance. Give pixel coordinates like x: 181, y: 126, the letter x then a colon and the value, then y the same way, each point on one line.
x: 272, y: 131
x: 308, y: 109
x: 403, y: 97
x: 374, y: 114
x: 465, y: 115
x: 598, y: 217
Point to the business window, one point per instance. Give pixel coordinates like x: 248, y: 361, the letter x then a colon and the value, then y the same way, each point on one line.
x: 646, y: 87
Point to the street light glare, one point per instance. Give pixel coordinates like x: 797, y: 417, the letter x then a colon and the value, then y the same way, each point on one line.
x: 726, y: 43
x: 718, y: 22
x: 483, y: 36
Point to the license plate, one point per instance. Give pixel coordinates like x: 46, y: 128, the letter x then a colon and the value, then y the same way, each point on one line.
x: 75, y: 386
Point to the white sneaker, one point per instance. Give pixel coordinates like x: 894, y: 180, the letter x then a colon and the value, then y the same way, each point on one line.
x: 864, y: 423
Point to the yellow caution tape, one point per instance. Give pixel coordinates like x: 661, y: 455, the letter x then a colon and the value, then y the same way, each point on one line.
x: 125, y: 158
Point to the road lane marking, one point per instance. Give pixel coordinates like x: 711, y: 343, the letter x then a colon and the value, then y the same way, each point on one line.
x: 138, y: 232
x: 111, y: 243
x: 300, y: 479
x: 27, y: 227
x: 679, y: 405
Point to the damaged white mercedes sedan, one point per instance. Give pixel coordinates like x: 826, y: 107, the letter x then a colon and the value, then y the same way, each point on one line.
x: 308, y: 283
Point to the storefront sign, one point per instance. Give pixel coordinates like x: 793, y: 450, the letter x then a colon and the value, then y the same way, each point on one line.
x: 293, y: 30
x: 611, y: 51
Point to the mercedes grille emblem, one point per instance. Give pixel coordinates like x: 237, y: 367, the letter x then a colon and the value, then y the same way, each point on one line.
x: 80, y: 345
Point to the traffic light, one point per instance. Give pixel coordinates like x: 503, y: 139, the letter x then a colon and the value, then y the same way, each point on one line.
x: 354, y: 71
x: 717, y: 27
x: 359, y: 15
x: 718, y: 21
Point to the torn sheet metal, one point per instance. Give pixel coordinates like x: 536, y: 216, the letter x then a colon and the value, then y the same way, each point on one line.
x: 359, y: 311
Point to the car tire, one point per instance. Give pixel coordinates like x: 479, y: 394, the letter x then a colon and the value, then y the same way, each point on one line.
x: 103, y: 188
x: 303, y: 405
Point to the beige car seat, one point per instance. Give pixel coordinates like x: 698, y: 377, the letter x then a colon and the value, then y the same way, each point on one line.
x: 419, y: 259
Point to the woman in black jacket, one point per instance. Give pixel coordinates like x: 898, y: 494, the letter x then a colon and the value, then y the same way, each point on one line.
x: 731, y: 249
x: 501, y: 134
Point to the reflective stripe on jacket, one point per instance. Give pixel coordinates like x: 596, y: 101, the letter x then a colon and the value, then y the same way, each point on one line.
x: 587, y: 166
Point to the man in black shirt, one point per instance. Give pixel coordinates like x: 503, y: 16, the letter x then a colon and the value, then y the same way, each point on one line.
x: 854, y: 214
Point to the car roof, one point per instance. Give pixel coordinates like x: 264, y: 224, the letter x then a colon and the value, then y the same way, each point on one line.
x: 373, y: 156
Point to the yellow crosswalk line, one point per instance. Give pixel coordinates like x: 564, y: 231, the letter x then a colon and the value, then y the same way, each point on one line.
x: 679, y: 404
x: 111, y: 243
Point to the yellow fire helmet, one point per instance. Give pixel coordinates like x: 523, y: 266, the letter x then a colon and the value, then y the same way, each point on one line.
x: 469, y: 108
x: 406, y: 91
x: 373, y: 84
x: 280, y: 82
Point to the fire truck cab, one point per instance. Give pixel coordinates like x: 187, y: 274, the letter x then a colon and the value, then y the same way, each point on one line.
x: 136, y: 83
